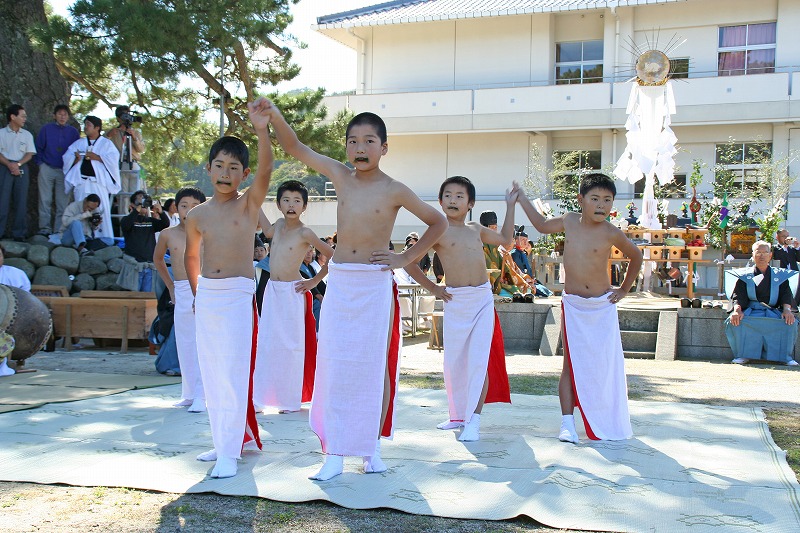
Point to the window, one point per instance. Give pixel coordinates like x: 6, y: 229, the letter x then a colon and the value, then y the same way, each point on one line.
x: 747, y: 49
x: 568, y: 167
x: 679, y: 67
x: 743, y: 161
x: 579, y: 62
x: 674, y: 189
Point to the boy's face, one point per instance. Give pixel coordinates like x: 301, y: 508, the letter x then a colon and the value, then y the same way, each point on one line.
x: 364, y: 147
x: 185, y: 205
x: 291, y: 204
x: 455, y: 201
x: 227, y: 173
x: 259, y: 253
x: 596, y: 204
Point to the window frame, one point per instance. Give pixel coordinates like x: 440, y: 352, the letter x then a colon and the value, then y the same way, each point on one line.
x: 746, y: 48
x: 743, y: 168
x: 582, y: 64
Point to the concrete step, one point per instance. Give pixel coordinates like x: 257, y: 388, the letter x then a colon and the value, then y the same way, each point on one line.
x: 638, y: 320
x: 639, y: 355
x: 639, y: 341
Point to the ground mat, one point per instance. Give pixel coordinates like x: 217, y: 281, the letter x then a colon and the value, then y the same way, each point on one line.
x: 33, y: 389
x: 689, y: 468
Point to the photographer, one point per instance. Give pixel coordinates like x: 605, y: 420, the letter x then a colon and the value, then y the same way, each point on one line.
x: 128, y: 141
x: 79, y: 224
x: 139, y: 228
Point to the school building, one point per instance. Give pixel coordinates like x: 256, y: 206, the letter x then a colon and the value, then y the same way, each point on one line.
x: 476, y: 87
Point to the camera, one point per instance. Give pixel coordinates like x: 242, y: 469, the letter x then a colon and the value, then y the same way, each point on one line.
x: 95, y: 219
x: 128, y: 119
x: 145, y: 201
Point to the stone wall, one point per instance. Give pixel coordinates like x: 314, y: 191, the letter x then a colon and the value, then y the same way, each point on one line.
x: 46, y: 263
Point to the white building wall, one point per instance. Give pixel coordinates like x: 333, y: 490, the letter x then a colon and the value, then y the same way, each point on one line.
x: 507, y: 41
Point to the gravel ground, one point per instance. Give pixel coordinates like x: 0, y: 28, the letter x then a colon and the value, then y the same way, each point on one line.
x: 54, y: 508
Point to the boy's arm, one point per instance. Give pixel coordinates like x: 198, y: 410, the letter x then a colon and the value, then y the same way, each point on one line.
x: 332, y: 169
x: 436, y: 222
x: 634, y: 266
x: 311, y: 238
x: 440, y: 291
x: 191, y: 255
x: 506, y: 235
x: 260, y: 114
x: 267, y: 227
x: 542, y: 225
x: 161, y: 264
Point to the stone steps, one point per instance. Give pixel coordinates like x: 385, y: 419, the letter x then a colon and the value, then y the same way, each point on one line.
x: 639, y: 341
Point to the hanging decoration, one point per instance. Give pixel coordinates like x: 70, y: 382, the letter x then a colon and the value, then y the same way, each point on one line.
x: 723, y: 212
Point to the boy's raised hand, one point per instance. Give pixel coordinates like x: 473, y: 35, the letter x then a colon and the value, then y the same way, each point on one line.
x: 260, y: 113
x: 512, y: 194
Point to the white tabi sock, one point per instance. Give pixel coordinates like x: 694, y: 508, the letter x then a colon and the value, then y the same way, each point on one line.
x: 568, y: 432
x: 183, y: 403
x: 334, y: 465
x: 373, y: 464
x: 6, y: 370
x: 225, y: 467
x: 198, y: 406
x: 450, y: 425
x: 210, y: 455
x: 471, y: 431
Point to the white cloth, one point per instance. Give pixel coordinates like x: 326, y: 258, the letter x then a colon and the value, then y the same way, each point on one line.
x: 14, y: 277
x: 468, y: 329
x: 281, y: 352
x: 186, y: 342
x: 353, y: 343
x: 224, y: 324
x: 593, y: 345
x: 104, y: 183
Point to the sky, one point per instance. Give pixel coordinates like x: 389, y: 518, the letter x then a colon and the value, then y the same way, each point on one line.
x: 325, y: 63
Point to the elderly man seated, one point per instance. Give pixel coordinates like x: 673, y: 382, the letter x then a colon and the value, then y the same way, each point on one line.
x: 762, y: 325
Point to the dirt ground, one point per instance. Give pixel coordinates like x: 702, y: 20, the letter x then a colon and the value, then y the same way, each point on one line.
x: 52, y: 508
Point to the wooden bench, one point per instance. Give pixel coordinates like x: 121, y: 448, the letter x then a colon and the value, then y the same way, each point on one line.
x: 103, y: 315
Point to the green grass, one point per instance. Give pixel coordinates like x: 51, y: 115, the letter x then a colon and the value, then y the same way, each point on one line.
x: 785, y: 429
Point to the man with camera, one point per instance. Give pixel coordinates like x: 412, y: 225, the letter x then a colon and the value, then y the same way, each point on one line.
x: 79, y: 224
x: 139, y: 228
x: 128, y: 141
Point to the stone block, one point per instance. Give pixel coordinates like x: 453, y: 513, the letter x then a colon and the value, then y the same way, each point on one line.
x: 22, y: 264
x: 115, y: 265
x: 637, y: 320
x: 39, y: 255
x: 15, y: 249
x: 83, y: 282
x: 107, y: 282
x: 66, y: 258
x: 92, y: 265
x: 551, y: 340
x: 52, y: 275
x: 667, y: 340
x: 108, y: 253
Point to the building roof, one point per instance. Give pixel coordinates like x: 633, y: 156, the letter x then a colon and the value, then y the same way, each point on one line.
x: 405, y: 11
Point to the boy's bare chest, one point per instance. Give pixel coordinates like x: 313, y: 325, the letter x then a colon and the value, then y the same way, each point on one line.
x: 287, y: 242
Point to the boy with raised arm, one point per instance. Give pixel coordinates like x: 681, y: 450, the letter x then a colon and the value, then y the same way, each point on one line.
x: 287, y: 335
x: 180, y: 294
x: 357, y: 357
x: 224, y: 289
x: 593, y: 375
x: 474, y: 355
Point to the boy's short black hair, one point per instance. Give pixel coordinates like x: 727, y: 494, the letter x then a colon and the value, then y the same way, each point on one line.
x: 135, y: 194
x: 95, y: 121
x: 62, y: 107
x: 488, y: 218
x: 459, y: 180
x: 294, y: 186
x: 191, y: 192
x: 168, y: 204
x: 92, y: 198
x: 233, y: 146
x: 370, y: 119
x: 597, y: 180
x: 14, y: 110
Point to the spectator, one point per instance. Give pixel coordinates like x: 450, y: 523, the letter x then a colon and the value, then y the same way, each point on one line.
x: 12, y: 276
x: 785, y: 254
x: 518, y: 254
x: 89, y: 167
x: 262, y: 270
x: 171, y: 209
x: 425, y: 261
x: 16, y: 149
x: 259, y: 250
x: 139, y: 228
x: 438, y: 269
x: 330, y: 240
x: 130, y: 146
x: 318, y: 292
x: 51, y: 143
x: 79, y: 223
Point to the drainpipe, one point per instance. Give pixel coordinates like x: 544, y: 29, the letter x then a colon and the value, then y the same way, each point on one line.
x: 362, y: 59
x: 616, y: 41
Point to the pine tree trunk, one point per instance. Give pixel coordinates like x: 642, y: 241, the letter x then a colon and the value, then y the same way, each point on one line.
x: 28, y: 77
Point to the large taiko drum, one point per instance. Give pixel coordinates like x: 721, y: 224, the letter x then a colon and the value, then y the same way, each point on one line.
x: 26, y: 318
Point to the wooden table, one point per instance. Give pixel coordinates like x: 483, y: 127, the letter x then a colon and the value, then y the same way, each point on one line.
x: 691, y: 264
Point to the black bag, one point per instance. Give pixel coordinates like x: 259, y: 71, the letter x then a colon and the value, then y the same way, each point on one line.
x: 95, y: 244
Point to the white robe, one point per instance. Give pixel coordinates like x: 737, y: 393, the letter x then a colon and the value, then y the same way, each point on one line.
x: 186, y: 342
x: 14, y: 277
x: 105, y: 182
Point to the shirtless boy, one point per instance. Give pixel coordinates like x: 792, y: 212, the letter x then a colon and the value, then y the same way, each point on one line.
x: 357, y: 369
x: 287, y: 343
x: 224, y: 289
x: 180, y: 293
x: 593, y: 375
x: 474, y: 356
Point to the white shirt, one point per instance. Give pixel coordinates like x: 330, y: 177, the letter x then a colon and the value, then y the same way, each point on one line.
x: 14, y: 277
x: 15, y: 144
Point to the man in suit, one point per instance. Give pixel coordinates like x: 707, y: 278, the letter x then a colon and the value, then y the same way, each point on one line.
x: 787, y: 255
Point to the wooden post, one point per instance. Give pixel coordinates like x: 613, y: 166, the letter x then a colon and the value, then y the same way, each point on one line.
x: 124, y: 344
x: 68, y: 329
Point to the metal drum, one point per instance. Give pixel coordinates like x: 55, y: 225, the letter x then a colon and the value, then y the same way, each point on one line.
x: 27, y: 319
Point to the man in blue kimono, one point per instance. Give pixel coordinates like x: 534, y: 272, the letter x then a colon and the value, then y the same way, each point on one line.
x: 762, y: 325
